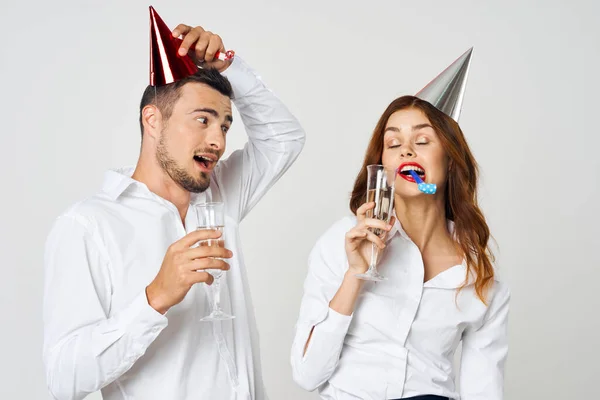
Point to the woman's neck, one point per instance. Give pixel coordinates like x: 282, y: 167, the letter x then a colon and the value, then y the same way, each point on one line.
x: 424, y: 221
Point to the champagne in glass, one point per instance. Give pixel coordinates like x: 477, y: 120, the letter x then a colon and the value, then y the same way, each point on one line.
x: 216, y: 273
x: 211, y: 216
x: 382, y: 199
x: 380, y: 190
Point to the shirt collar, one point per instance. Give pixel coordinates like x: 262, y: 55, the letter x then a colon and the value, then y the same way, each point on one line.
x: 453, y: 277
x: 118, y: 181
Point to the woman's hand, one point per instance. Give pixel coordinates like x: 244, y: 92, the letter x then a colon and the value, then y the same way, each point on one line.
x: 360, y: 238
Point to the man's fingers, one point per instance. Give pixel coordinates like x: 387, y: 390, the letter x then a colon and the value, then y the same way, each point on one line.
x: 190, y: 38
x: 201, y: 45
x: 181, y: 29
x: 207, y: 251
x: 194, y: 237
x: 214, y: 45
x: 207, y: 263
x: 200, y: 276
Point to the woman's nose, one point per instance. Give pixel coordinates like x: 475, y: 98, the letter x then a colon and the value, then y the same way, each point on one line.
x: 407, y: 152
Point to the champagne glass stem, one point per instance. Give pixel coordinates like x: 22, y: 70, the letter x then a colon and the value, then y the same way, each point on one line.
x: 217, y: 295
x: 374, y: 251
x: 373, y: 263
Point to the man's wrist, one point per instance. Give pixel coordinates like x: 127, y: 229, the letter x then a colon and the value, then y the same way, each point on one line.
x: 155, y: 301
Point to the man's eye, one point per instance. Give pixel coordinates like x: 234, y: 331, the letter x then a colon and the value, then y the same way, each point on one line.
x: 203, y: 120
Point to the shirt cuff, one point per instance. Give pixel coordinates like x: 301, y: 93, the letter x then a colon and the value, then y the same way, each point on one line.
x: 335, y: 322
x: 141, y: 318
x: 138, y: 320
x: 242, y: 78
x: 328, y: 334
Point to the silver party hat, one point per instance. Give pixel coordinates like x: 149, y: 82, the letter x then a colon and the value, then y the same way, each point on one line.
x: 446, y: 92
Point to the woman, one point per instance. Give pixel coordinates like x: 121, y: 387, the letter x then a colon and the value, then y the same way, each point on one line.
x: 397, y: 338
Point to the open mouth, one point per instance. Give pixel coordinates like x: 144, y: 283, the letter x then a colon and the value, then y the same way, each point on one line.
x: 405, y: 168
x: 205, y: 162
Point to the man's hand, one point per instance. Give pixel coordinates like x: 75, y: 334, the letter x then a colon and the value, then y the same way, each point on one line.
x: 202, y: 46
x: 183, y: 266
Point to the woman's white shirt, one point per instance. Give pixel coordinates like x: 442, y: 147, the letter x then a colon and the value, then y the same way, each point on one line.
x: 401, y: 339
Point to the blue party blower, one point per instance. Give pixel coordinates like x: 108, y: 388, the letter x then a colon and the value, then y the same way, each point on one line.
x: 427, y: 188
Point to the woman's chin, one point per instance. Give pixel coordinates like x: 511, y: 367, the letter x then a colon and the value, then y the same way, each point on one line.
x: 408, y: 193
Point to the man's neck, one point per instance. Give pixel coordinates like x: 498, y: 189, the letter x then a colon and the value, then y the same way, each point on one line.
x: 160, y: 183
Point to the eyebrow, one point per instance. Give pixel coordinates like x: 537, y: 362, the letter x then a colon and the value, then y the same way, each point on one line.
x: 213, y: 112
x: 414, y: 128
x: 421, y: 126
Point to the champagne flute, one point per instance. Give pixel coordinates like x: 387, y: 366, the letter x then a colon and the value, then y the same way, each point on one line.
x: 212, y: 216
x: 380, y: 190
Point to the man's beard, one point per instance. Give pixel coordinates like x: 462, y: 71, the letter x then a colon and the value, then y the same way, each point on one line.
x: 180, y: 175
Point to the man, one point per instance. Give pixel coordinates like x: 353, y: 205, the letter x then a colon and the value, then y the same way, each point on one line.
x: 125, y: 285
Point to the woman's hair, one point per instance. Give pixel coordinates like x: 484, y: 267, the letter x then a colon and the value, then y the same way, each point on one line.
x: 471, y: 232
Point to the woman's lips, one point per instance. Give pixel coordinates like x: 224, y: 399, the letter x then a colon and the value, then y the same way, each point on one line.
x: 405, y: 168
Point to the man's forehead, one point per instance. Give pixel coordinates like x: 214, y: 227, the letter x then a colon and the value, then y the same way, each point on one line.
x: 199, y: 94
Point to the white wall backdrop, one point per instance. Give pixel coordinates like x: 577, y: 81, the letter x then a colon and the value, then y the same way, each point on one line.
x: 72, y: 74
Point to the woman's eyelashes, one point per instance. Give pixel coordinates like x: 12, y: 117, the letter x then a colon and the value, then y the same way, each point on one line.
x: 420, y: 142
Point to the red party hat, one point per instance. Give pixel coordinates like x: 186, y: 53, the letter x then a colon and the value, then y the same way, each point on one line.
x: 166, y: 65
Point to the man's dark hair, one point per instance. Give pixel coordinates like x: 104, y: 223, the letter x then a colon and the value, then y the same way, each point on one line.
x: 164, y: 97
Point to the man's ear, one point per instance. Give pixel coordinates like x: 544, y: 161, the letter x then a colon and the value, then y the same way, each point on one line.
x: 151, y: 120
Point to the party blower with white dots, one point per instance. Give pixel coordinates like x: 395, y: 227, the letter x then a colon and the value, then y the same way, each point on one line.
x: 427, y: 188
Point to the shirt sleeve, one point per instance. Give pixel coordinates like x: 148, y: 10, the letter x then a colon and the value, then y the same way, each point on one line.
x: 327, y: 265
x: 485, y: 350
x: 275, y: 139
x: 84, y: 348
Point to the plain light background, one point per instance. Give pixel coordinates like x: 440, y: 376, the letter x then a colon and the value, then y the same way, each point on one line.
x: 72, y: 74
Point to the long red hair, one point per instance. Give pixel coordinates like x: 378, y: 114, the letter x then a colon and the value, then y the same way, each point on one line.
x: 471, y: 231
